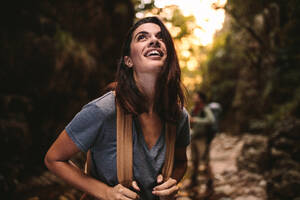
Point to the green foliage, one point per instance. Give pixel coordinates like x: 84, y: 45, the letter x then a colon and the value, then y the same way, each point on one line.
x: 67, y: 46
x: 220, y: 72
x: 55, y: 57
x: 253, y: 66
x: 245, y: 11
x: 286, y: 110
x: 141, y: 5
x: 179, y: 20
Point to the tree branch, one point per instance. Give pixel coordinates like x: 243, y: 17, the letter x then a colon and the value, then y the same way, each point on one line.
x: 246, y: 27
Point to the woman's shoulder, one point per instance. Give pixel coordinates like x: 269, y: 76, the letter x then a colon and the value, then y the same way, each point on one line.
x: 184, y: 117
x: 184, y: 113
x: 104, y: 104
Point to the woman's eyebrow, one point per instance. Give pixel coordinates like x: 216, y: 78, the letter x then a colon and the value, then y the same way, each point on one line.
x: 141, y: 32
x: 146, y: 33
x: 159, y: 33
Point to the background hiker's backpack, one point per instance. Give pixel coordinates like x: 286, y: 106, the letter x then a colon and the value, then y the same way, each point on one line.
x: 216, y: 110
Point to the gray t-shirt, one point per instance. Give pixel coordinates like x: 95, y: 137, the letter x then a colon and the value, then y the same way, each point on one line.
x: 94, y: 128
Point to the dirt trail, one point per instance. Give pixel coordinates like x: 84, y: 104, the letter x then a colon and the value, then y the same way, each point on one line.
x: 228, y: 181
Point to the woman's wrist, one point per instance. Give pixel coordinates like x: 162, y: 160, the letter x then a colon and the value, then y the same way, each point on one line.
x: 98, y: 189
x: 107, y: 192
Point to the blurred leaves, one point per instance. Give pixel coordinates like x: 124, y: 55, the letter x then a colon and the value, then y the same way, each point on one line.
x: 55, y: 56
x: 252, y: 66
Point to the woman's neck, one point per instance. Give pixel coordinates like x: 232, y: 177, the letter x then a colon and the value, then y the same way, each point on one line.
x: 146, y: 83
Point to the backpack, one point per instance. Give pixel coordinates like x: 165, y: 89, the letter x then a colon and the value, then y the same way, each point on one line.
x: 125, y: 150
x: 216, y: 110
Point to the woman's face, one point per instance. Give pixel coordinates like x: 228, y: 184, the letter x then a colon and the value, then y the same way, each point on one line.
x: 148, y: 51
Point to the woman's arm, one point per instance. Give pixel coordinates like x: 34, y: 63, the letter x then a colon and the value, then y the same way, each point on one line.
x: 57, y: 159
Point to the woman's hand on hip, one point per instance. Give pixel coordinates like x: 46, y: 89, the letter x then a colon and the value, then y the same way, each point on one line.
x: 166, y: 190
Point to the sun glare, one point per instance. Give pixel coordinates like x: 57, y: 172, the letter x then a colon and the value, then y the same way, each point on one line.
x: 202, y: 30
x: 207, y: 18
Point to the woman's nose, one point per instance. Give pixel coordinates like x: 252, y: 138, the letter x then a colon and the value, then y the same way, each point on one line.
x: 154, y: 42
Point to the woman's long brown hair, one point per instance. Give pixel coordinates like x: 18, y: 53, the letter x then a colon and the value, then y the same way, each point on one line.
x: 169, y: 97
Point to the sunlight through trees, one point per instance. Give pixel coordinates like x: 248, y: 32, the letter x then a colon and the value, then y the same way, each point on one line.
x: 193, y: 25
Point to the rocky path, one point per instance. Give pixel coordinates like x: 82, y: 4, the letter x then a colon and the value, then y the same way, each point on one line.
x: 229, y: 180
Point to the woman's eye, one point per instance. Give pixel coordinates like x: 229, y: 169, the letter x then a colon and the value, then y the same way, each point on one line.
x: 141, y: 37
x: 159, y: 36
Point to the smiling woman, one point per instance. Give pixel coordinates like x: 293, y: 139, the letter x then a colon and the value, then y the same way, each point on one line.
x: 162, y: 84
x: 148, y: 90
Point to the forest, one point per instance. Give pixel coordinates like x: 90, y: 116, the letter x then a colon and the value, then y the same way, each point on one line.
x: 58, y: 55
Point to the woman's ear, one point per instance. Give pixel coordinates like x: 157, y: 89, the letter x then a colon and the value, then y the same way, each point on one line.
x: 128, y: 61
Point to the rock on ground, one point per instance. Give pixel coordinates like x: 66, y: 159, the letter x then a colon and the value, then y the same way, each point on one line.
x: 230, y: 181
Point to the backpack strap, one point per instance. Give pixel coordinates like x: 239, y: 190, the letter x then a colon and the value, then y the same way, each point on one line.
x: 170, y: 135
x: 125, y: 151
x: 124, y: 147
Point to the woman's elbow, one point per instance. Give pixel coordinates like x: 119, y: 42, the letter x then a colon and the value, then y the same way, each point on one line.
x: 49, y: 161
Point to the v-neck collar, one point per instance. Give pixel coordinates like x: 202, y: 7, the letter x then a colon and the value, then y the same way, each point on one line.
x: 140, y: 133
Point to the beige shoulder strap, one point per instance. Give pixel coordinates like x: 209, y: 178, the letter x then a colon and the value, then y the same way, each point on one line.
x: 125, y: 152
x: 169, y: 159
x: 124, y: 147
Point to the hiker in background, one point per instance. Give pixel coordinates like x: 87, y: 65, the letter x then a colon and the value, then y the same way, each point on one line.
x: 202, y: 121
x: 148, y: 88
